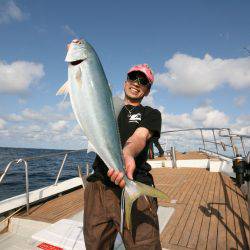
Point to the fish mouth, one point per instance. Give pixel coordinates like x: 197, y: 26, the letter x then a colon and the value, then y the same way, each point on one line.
x: 76, y: 62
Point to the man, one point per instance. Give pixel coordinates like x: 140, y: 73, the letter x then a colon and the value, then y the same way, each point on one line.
x: 137, y: 125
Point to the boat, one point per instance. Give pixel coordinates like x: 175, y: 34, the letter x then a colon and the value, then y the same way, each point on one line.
x: 208, y: 187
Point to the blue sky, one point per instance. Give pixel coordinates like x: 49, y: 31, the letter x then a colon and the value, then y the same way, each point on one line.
x: 198, y: 51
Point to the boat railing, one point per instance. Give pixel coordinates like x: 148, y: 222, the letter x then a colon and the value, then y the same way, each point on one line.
x: 18, y: 161
x: 216, y: 140
x: 222, y: 133
x: 26, y: 168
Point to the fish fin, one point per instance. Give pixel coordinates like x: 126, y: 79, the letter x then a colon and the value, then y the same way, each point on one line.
x: 64, y: 89
x: 134, y: 191
x: 118, y: 105
x: 91, y: 148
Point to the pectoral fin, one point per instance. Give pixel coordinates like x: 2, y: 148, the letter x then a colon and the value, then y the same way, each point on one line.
x: 64, y: 89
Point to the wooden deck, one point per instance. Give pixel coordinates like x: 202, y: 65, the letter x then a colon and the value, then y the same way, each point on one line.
x: 210, y: 211
x: 56, y: 209
x: 191, y: 155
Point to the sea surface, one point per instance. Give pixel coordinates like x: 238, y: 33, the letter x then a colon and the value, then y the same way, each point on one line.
x: 42, y: 171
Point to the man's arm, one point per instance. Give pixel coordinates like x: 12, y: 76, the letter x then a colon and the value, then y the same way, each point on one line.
x: 134, y: 145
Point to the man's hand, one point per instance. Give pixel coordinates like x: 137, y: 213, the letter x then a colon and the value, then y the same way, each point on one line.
x: 129, y: 166
x: 132, y: 148
x: 117, y: 177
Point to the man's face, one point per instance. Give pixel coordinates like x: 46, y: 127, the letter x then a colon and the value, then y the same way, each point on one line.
x: 134, y: 90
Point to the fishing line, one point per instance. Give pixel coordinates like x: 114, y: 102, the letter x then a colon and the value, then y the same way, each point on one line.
x: 122, y: 210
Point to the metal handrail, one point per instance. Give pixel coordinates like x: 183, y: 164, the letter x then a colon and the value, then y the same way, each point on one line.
x: 60, y: 170
x: 219, y: 154
x: 231, y: 136
x: 189, y: 129
x: 26, y: 178
x: 214, y: 141
x: 24, y: 160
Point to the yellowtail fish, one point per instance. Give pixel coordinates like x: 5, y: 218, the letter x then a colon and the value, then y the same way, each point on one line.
x: 92, y: 103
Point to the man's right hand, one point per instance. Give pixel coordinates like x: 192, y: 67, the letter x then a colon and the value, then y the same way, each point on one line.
x: 117, y: 177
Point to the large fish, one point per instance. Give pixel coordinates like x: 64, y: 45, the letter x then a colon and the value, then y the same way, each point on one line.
x: 92, y: 103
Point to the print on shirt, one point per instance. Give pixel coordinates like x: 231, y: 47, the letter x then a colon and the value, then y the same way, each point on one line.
x: 135, y: 118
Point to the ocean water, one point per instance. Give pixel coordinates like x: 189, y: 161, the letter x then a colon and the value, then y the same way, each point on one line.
x: 42, y: 171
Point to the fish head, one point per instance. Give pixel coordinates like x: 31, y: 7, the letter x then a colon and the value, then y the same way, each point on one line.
x: 76, y: 51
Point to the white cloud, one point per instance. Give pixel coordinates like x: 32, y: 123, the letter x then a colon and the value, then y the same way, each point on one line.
x: 10, y: 11
x: 242, y: 125
x: 64, y: 105
x: 173, y: 121
x: 244, y: 131
x: 2, y: 123
x: 243, y: 120
x: 22, y: 101
x: 209, y: 117
x: 199, y: 114
x: 69, y: 30
x: 239, y: 101
x: 77, y: 131
x: 215, y: 118
x: 58, y: 126
x: 29, y: 114
x: 17, y: 77
x: 204, y: 116
x: 47, y: 114
x: 14, y: 118
x: 47, y: 127
x: 192, y: 76
x: 34, y: 128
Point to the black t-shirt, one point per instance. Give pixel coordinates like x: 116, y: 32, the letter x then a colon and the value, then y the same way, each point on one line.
x: 128, y: 122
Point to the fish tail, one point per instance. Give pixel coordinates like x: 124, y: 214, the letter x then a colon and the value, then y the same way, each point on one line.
x: 134, y: 190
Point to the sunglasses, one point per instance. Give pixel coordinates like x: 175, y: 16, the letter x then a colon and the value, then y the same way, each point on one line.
x: 134, y: 77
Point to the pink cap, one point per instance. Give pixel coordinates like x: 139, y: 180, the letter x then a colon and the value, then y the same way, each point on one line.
x: 144, y: 68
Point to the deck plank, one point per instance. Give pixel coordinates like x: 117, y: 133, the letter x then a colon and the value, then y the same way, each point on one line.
x: 222, y: 222
x: 244, y: 218
x: 196, y: 229
x: 231, y: 234
x: 239, y: 221
x: 61, y: 207
x: 203, y: 233
x: 210, y: 211
x: 237, y: 218
x: 188, y: 194
x: 213, y: 229
x: 184, y: 192
x: 193, y: 210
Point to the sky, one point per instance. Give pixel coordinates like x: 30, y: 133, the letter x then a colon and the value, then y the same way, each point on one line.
x: 199, y: 52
